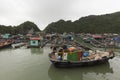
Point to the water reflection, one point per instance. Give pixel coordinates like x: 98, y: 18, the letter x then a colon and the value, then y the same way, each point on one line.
x: 79, y: 73
x: 7, y: 48
x: 37, y: 51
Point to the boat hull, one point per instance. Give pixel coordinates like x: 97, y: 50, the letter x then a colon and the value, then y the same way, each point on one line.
x: 18, y: 45
x: 80, y: 63
x: 6, y: 46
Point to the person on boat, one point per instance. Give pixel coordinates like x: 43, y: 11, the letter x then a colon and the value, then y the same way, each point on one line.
x: 71, y: 49
x: 60, y: 54
x: 54, y: 48
x: 65, y: 47
x: 60, y: 49
x: 65, y: 56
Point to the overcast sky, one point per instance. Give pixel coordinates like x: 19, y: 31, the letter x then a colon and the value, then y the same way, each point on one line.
x: 43, y: 12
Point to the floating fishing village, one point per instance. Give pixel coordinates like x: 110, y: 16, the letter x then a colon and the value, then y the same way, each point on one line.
x: 64, y: 50
x: 67, y: 48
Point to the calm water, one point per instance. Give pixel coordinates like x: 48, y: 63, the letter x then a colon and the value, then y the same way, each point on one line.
x: 33, y: 64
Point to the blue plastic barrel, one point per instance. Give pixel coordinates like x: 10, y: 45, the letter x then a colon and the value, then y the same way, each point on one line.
x: 86, y: 54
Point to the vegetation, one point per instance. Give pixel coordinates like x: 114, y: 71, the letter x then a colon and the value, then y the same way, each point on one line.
x: 23, y: 28
x: 108, y: 23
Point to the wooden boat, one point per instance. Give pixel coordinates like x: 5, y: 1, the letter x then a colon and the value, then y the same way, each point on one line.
x: 85, y: 61
x: 17, y: 45
x: 79, y: 63
x: 6, y: 43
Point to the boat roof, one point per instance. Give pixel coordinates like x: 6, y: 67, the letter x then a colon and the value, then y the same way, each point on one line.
x: 97, y: 36
x: 35, y: 38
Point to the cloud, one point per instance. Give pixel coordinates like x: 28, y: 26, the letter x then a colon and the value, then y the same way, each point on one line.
x: 43, y: 12
x: 50, y: 10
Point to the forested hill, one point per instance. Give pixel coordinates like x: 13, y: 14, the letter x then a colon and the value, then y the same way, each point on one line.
x: 108, y: 23
x: 23, y: 28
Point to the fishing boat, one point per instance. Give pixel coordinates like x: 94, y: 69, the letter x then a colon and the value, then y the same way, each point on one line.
x: 17, y: 45
x: 73, y: 55
x: 5, y: 43
x: 77, y: 63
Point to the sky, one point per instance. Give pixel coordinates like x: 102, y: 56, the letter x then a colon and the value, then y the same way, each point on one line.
x: 44, y: 12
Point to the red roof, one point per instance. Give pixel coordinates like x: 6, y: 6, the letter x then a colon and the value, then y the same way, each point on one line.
x: 35, y: 38
x: 97, y: 36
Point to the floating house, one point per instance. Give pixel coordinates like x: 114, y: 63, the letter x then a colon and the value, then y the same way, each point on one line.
x: 6, y: 36
x: 97, y: 37
x: 68, y: 37
x: 34, y: 42
x: 116, y: 41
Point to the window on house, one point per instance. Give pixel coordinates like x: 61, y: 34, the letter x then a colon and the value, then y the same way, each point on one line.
x: 33, y: 42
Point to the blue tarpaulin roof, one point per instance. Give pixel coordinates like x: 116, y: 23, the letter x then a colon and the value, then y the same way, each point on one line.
x: 116, y: 39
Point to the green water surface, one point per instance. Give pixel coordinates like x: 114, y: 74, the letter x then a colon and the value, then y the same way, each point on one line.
x: 34, y: 64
